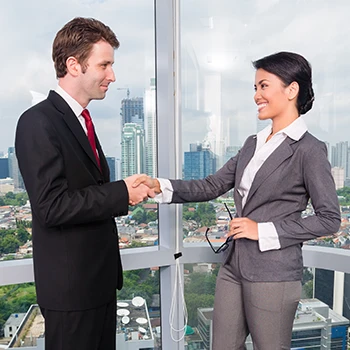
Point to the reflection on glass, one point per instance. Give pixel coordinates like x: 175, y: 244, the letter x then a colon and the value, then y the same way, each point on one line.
x: 140, y: 227
x: 138, y: 312
x: 311, y: 318
x: 200, y: 280
x: 16, y: 303
x: 138, y: 309
x: 125, y: 122
x: 217, y: 77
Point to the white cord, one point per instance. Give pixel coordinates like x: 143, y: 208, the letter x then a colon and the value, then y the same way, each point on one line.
x: 172, y: 313
x: 176, y: 335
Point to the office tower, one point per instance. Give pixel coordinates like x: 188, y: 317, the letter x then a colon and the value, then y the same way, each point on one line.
x: 324, y: 286
x: 151, y: 129
x: 329, y: 151
x: 132, y: 111
x: 231, y: 151
x: 111, y: 165
x: 316, y: 326
x: 339, y: 177
x: 14, y: 172
x: 133, y: 150
x: 340, y: 157
x: 346, y: 303
x: 4, y: 168
x: 200, y: 162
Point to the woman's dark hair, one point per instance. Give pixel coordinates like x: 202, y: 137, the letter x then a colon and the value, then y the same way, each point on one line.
x: 289, y: 67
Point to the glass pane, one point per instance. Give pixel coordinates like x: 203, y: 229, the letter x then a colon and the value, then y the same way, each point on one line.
x: 138, y: 313
x: 219, y: 43
x: 124, y: 121
x: 138, y: 310
x: 311, y: 320
x: 200, y: 280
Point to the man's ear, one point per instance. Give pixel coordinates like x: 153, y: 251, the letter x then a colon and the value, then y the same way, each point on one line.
x: 293, y: 90
x: 73, y: 66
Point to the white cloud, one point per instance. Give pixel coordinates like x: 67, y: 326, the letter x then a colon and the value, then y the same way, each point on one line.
x: 218, y: 37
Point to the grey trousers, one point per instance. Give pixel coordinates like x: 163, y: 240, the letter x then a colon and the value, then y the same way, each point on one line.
x: 266, y: 310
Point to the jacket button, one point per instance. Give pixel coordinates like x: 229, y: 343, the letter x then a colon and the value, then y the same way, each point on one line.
x: 100, y: 182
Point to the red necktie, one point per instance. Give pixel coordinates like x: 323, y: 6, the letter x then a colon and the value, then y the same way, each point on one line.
x: 90, y: 133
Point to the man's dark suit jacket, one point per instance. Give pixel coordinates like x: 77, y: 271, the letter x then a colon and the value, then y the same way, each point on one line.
x: 76, y: 256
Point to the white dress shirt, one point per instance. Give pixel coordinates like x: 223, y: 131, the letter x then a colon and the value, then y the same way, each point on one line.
x: 74, y: 105
x: 268, y: 237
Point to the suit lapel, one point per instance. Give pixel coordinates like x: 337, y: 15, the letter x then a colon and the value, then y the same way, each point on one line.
x: 246, y: 155
x: 277, y: 157
x: 103, y: 161
x: 74, y: 125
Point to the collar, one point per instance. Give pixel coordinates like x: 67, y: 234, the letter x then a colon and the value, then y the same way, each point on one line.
x: 73, y: 104
x: 294, y: 130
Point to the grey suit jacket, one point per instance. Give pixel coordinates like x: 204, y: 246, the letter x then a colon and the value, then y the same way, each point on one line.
x: 295, y: 172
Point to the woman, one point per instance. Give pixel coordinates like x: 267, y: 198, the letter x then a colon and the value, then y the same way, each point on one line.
x: 274, y: 175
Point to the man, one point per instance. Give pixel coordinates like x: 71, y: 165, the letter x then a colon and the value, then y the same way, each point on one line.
x: 76, y: 256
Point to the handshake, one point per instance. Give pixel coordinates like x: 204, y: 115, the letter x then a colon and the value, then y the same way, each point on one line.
x: 141, y: 187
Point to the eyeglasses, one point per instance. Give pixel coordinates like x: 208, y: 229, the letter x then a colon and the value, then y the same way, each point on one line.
x: 225, y: 245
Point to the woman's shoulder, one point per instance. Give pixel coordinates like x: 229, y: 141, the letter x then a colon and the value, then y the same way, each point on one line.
x: 310, y: 139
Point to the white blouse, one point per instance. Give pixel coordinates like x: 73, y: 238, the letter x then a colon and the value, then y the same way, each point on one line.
x: 268, y: 237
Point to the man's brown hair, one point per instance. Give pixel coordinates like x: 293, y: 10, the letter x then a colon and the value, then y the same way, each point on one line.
x: 76, y: 39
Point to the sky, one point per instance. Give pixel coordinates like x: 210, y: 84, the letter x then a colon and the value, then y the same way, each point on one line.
x: 219, y: 40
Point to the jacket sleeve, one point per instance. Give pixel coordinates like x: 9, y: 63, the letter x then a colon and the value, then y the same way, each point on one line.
x: 42, y: 165
x: 320, y: 186
x: 206, y: 189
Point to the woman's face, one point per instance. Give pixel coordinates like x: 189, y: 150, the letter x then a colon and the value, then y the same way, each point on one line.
x: 271, y: 95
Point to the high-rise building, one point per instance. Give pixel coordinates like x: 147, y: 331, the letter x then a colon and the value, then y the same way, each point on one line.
x: 151, y: 130
x: 200, y: 162
x: 316, y: 326
x: 4, y: 168
x: 231, y: 151
x: 133, y: 150
x: 340, y: 157
x: 132, y: 111
x: 111, y: 165
x: 14, y: 172
x: 339, y: 177
x: 324, y: 286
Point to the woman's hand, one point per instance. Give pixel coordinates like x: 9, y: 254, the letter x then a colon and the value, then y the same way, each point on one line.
x: 243, y: 228
x: 152, y: 183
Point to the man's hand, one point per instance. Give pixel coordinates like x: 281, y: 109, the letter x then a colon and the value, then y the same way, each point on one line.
x: 149, y: 182
x: 243, y: 228
x: 140, y: 193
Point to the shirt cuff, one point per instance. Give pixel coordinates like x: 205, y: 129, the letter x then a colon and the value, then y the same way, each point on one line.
x: 166, y: 195
x: 268, y: 237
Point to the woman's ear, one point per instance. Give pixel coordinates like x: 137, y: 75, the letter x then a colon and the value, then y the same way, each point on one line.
x: 293, y: 90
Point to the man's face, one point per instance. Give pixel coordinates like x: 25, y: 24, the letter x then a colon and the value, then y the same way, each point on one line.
x: 98, y: 72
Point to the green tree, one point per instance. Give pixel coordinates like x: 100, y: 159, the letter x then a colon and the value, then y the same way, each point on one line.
x: 9, y: 244
x: 201, y: 283
x: 195, y: 301
x: 22, y: 235
x: 135, y: 244
x: 139, y: 215
x: 10, y: 195
x: 151, y: 216
x: 204, y: 214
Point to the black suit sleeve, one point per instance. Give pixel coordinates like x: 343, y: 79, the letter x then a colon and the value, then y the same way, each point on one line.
x: 42, y: 157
